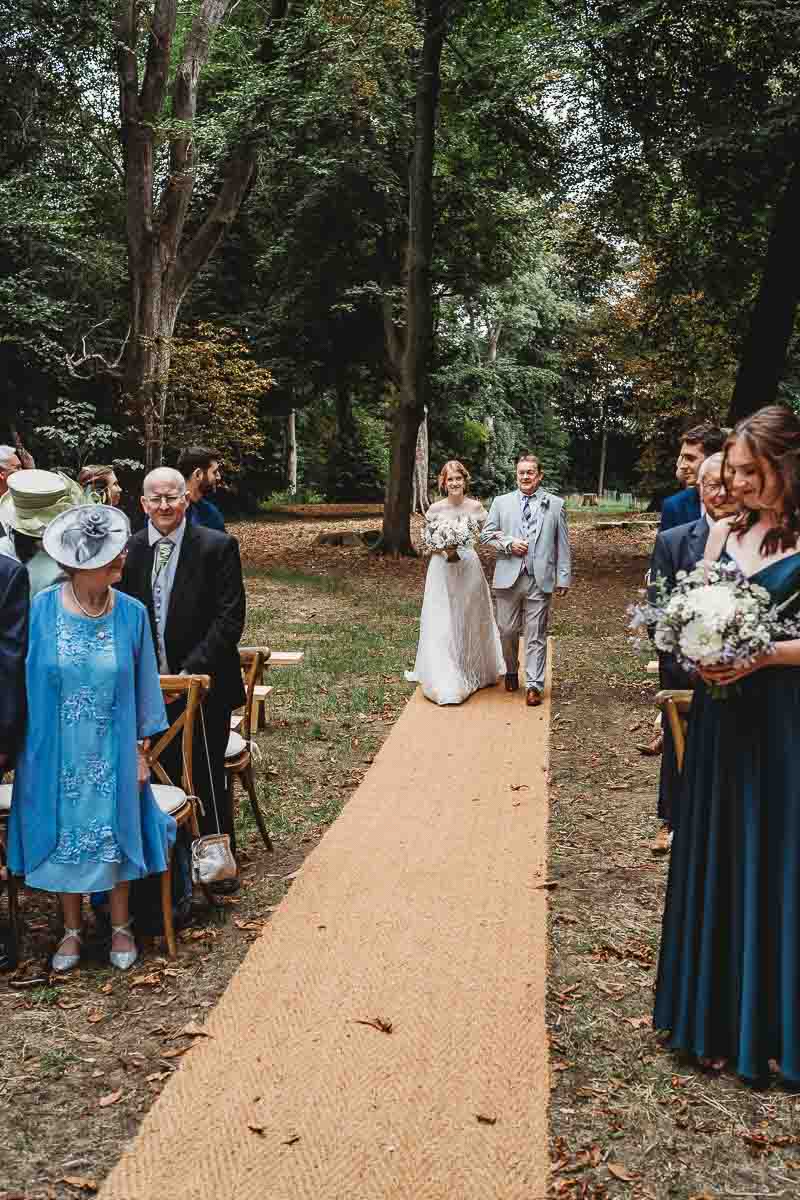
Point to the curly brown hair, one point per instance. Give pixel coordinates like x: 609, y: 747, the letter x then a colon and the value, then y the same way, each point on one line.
x: 454, y: 465
x: 772, y: 435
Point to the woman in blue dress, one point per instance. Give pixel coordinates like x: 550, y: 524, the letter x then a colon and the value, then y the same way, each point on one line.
x: 728, y: 986
x: 83, y: 815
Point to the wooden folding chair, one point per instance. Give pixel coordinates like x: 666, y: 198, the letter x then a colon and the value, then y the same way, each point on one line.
x: 239, y: 754
x: 675, y: 704
x: 179, y: 802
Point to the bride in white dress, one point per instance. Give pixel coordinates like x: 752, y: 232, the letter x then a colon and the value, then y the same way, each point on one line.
x: 459, y: 647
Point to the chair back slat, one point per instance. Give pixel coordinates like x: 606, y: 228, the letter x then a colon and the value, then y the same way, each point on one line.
x: 675, y: 704
x: 251, y: 660
x: 194, y: 687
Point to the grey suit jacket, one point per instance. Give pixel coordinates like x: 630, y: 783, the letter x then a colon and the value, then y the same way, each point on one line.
x: 552, y: 558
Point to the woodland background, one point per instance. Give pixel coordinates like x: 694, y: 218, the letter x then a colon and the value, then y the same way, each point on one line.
x: 292, y: 228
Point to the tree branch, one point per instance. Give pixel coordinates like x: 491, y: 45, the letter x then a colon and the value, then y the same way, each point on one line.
x: 197, y: 251
x: 73, y: 361
x: 159, y: 51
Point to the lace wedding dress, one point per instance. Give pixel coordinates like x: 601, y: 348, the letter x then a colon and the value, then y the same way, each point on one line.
x: 459, y: 647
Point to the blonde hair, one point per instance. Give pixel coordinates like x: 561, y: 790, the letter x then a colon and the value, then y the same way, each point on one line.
x: 453, y: 465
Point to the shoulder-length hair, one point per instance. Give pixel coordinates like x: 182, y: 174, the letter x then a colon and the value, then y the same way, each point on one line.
x: 772, y: 435
x: 95, y: 479
x: 453, y: 465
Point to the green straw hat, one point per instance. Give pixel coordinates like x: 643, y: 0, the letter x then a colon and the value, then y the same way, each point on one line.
x: 35, y: 498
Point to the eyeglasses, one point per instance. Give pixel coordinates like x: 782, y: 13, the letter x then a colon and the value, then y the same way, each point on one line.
x: 157, y: 501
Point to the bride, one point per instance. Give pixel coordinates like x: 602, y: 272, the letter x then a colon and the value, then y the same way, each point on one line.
x: 459, y: 647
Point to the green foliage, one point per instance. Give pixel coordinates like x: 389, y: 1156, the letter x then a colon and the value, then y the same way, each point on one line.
x: 77, y: 438
x: 359, y: 461
x: 303, y: 495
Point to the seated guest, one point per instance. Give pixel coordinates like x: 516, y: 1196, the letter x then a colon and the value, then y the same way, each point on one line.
x: 33, y: 499
x: 190, y: 579
x: 14, y: 601
x: 199, y: 466
x: 681, y: 549
x: 83, y: 815
x: 100, y: 485
x: 696, y: 445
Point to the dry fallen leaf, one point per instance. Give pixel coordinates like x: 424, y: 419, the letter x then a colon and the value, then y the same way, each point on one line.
x: 375, y: 1023
x: 195, y: 1030
x: 520, y: 787
x: 240, y: 924
x: 152, y: 980
x: 157, y: 1076
x: 255, y: 1127
x: 484, y: 1120
x: 66, y: 1005
x: 111, y: 1098
x: 639, y: 1022
x: 106, y: 989
x: 80, y: 1182
x: 620, y: 1172
x: 174, y: 1053
x: 95, y: 1015
x: 292, y: 1138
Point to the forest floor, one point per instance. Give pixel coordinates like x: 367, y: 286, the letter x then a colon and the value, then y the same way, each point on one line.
x: 81, y: 1060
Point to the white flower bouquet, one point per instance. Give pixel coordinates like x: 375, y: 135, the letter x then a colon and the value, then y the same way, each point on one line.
x: 714, y: 616
x: 449, y: 536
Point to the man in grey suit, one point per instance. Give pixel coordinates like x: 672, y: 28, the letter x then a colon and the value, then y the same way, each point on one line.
x: 528, y: 528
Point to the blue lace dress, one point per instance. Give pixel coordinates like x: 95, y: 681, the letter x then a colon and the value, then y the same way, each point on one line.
x: 80, y: 822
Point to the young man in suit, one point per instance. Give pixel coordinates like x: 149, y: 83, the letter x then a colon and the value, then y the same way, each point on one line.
x: 528, y: 528
x: 190, y: 580
x: 681, y: 549
x: 696, y: 445
x: 199, y: 466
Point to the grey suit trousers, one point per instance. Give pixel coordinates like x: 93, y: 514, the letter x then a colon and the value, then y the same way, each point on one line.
x: 524, y: 604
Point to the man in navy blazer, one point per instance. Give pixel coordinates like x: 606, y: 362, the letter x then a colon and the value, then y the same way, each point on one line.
x: 14, y: 605
x: 680, y: 549
x: 696, y: 445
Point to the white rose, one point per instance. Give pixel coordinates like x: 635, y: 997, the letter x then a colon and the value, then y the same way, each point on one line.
x: 700, y: 643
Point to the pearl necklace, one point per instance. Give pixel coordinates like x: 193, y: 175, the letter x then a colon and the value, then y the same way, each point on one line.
x: 94, y: 616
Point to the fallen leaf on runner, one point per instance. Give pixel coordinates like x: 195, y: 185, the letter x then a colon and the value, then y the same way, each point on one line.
x: 80, y: 1182
x: 175, y: 1052
x: 639, y: 1022
x: 620, y: 1172
x: 547, y: 886
x: 195, y: 1030
x: 254, y: 1128
x: 111, y: 1098
x: 520, y: 787
x: 94, y: 1016
x: 484, y: 1120
x: 290, y: 1141
x: 375, y: 1023
x: 240, y: 924
x: 152, y: 980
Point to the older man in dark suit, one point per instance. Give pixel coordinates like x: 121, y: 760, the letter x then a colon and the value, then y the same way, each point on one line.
x: 14, y: 605
x: 190, y: 580
x: 681, y: 549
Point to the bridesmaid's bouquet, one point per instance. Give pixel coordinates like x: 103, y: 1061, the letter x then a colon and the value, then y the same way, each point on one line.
x: 442, y: 534
x: 714, y: 616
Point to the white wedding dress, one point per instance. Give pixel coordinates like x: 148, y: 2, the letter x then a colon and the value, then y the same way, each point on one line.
x: 459, y: 647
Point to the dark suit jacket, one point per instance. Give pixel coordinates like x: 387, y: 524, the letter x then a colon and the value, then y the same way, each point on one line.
x: 206, y: 610
x: 14, y: 607
x: 679, y: 549
x: 680, y: 509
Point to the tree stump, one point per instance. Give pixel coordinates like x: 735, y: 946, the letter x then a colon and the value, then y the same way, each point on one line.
x: 589, y: 500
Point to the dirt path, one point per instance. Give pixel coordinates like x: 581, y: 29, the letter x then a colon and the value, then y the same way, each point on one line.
x: 385, y: 1036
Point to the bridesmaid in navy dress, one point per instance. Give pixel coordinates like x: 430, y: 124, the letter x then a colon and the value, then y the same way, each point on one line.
x: 728, y: 987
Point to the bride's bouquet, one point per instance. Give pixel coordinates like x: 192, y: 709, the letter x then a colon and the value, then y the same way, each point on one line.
x: 714, y: 616
x: 450, y: 536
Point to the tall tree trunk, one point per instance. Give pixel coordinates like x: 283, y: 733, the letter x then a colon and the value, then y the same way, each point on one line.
x: 291, y: 452
x: 772, y: 321
x: 601, y: 474
x: 416, y: 361
x: 162, y: 263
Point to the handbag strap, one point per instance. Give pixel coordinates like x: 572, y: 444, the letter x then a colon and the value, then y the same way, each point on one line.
x: 210, y: 772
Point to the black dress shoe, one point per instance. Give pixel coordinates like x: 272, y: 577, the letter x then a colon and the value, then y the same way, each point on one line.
x: 512, y: 683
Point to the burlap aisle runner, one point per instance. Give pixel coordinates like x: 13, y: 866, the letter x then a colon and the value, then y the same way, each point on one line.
x: 422, y: 908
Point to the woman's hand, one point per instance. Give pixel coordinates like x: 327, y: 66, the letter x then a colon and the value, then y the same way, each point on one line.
x: 142, y: 766
x: 733, y: 672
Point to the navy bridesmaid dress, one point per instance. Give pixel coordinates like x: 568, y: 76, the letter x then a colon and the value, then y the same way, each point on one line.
x: 728, y: 983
